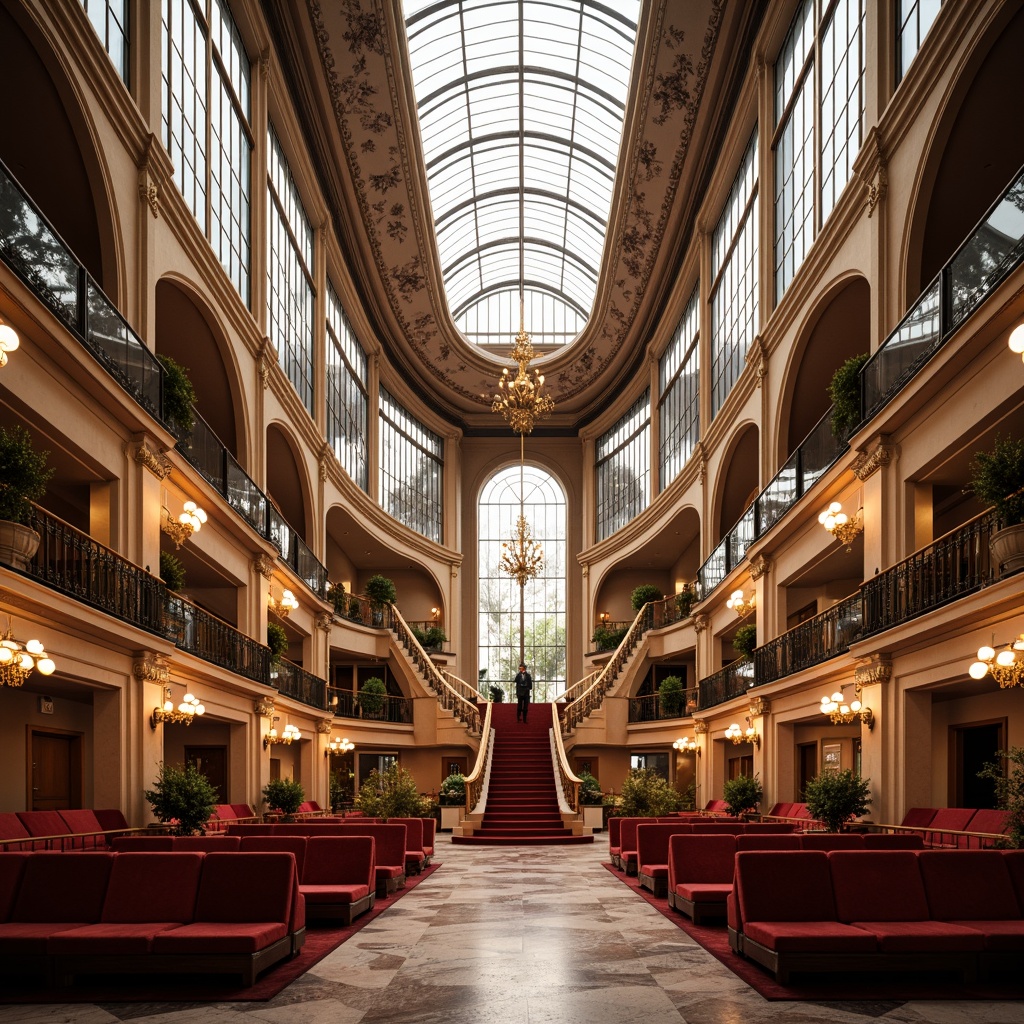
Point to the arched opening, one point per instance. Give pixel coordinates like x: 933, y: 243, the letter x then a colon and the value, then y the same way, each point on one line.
x: 739, y: 482
x: 286, y: 484
x: 530, y: 618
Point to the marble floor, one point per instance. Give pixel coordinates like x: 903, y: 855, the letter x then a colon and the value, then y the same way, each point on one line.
x: 528, y: 935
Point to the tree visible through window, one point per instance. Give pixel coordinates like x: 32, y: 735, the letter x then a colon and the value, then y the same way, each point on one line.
x: 543, y: 611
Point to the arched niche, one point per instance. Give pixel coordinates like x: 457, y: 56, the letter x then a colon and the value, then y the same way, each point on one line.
x: 975, y: 151
x: 739, y: 480
x: 839, y: 329
x: 48, y: 148
x: 185, y: 332
x: 287, y: 484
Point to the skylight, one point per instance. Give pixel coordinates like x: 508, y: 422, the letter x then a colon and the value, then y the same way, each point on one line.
x: 520, y: 106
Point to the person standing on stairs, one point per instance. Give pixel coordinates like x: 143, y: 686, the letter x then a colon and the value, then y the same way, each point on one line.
x: 524, y: 684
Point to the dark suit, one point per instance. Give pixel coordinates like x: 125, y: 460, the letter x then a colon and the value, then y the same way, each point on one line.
x: 524, y: 684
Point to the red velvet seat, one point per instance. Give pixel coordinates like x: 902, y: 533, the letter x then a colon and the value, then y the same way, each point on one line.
x: 250, y: 828
x: 652, y: 853
x: 700, y: 873
x: 429, y: 837
x: 989, y: 821
x: 295, y: 845
x: 893, y: 841
x: 831, y: 841
x: 83, y: 821
x: 768, y: 828
x: 339, y: 877
x: 614, y: 840
x: 946, y: 821
x: 137, y: 844
x: 919, y: 817
x: 45, y: 824
x: 12, y: 830
x: 217, y: 842
x: 769, y: 841
x: 415, y: 856
x: 389, y: 848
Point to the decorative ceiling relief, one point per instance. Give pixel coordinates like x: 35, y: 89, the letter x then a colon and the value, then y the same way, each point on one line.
x: 371, y: 99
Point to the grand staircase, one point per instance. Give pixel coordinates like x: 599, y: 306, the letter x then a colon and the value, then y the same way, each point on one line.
x: 522, y: 799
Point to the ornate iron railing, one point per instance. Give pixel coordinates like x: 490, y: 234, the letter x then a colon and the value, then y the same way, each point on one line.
x: 813, y: 641
x: 577, y: 689
x: 567, y: 778
x: 345, y: 704
x: 475, y: 779
x: 216, y: 641
x: 732, y: 681
x: 463, y: 707
x: 294, y: 681
x: 648, y: 708
x: 955, y: 564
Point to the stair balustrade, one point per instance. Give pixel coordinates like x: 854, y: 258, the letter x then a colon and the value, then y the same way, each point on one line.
x: 567, y: 779
x: 474, y: 781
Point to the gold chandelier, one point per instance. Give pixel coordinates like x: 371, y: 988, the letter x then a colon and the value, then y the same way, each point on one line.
x: 841, y: 713
x: 521, y: 403
x: 1002, y: 664
x: 18, y: 659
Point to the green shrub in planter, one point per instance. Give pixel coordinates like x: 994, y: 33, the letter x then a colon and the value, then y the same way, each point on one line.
x: 179, y: 395
x: 671, y: 695
x: 355, y: 610
x: 434, y: 638
x: 277, y: 641
x: 997, y: 478
x: 182, y: 794
x: 645, y: 793
x: 23, y: 474
x: 644, y: 594
x: 742, y: 794
x: 685, y: 600
x: 497, y: 694
x: 590, y: 790
x: 834, y: 797
x: 605, y: 639
x: 844, y: 391
x: 391, y: 793
x: 371, y: 696
x: 284, y: 795
x: 1007, y: 776
x: 338, y: 598
x: 453, y: 791
x: 380, y: 590
x: 172, y: 572
x: 745, y: 640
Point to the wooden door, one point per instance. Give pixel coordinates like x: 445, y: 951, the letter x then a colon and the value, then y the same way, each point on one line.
x: 55, y: 770
x: 213, y: 763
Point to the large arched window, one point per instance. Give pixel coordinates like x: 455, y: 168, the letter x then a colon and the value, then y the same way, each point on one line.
x: 540, y: 618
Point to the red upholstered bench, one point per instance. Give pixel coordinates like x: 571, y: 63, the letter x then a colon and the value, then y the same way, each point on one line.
x: 627, y: 840
x: 652, y: 853
x: 429, y: 834
x: 143, y: 844
x: 768, y: 841
x: 295, y: 845
x: 87, y: 831
x: 893, y: 841
x: 338, y: 877
x: 831, y: 841
x: 261, y: 828
x: 215, y: 843
x: 45, y: 825
x: 614, y: 840
x: 700, y: 874
x: 415, y: 856
x: 389, y: 850
x: 13, y: 834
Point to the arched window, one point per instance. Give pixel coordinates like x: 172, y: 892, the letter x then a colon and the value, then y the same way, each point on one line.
x: 535, y: 616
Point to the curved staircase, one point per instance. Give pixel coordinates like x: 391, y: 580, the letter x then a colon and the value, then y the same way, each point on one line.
x: 522, y: 799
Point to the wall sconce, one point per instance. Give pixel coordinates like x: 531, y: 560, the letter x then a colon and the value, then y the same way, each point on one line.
x: 337, y: 746
x: 9, y: 341
x: 282, y: 607
x: 187, y: 711
x: 1004, y: 666
x: 686, y: 746
x: 739, y: 605
x: 1015, y: 341
x: 19, y: 659
x: 840, y: 525
x: 290, y: 735
x: 841, y: 713
x: 748, y: 735
x: 434, y: 613
x: 190, y: 521
x: 603, y: 617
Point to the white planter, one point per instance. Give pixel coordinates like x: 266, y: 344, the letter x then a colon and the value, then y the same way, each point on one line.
x: 593, y: 817
x: 18, y: 544
x: 451, y: 817
x: 1007, y: 547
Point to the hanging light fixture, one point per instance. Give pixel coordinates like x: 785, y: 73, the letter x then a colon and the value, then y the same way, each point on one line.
x: 841, y: 713
x: 1003, y: 664
x: 19, y: 659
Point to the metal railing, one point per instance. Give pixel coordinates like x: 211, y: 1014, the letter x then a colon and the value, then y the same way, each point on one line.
x: 648, y: 708
x: 33, y: 249
x: 464, y: 708
x: 474, y: 781
x: 732, y: 681
x: 955, y: 564
x: 567, y: 778
x: 345, y: 704
x: 813, y: 641
x: 293, y: 681
x: 578, y: 688
x: 203, y: 634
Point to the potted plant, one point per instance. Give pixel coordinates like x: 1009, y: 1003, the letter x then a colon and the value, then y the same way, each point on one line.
x: 277, y: 641
x: 284, y: 796
x: 23, y: 479
x: 391, y: 793
x: 745, y: 640
x: 182, y: 796
x: 645, y: 793
x: 371, y: 697
x: 179, y: 396
x: 434, y: 638
x: 497, y: 694
x: 338, y: 598
x: 355, y: 610
x: 606, y: 639
x: 452, y: 798
x: 742, y: 794
x: 172, y: 572
x: 997, y: 479
x: 671, y: 695
x: 844, y: 392
x: 591, y: 802
x: 685, y: 600
x: 381, y: 591
x: 1007, y: 776
x: 833, y: 797
x: 644, y: 594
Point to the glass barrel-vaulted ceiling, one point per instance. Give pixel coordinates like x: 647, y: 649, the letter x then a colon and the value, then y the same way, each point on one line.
x: 520, y: 107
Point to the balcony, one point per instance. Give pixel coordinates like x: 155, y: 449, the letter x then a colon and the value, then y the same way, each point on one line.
x: 734, y: 680
x: 648, y: 708
x: 396, y: 710
x: 293, y: 681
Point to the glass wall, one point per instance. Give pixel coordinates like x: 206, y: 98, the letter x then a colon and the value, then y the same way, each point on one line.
x: 110, y: 19
x: 347, y: 399
x: 679, y: 404
x: 624, y: 468
x: 913, y: 19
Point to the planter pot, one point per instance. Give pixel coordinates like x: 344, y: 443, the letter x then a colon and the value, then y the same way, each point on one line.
x: 1007, y: 548
x: 451, y: 817
x: 18, y: 544
x: 593, y: 816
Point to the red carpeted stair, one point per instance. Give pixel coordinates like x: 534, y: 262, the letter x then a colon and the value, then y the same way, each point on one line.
x: 522, y: 801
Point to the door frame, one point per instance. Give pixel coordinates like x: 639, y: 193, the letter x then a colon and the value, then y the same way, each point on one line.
x: 954, y: 789
x: 75, y: 766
